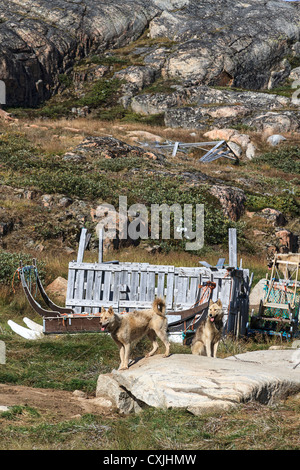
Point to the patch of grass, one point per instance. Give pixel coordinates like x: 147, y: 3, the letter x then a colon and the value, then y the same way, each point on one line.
x: 108, y: 59
x: 16, y: 411
x: 160, y: 86
x: 102, y: 93
x: 152, y: 120
x: 248, y: 427
x: 66, y: 363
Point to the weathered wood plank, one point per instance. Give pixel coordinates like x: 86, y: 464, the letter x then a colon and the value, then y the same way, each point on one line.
x: 232, y: 247
x: 89, y: 287
x: 71, y: 284
x: 170, y: 290
x: 101, y: 238
x: 143, y: 286
x: 160, y: 292
x: 81, y: 246
x: 133, y: 294
x: 79, y: 287
x: 93, y: 303
x: 107, y: 286
x: 116, y: 286
x: 150, y: 286
x: 194, y: 282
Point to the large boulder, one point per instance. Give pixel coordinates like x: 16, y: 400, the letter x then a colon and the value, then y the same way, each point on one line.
x: 58, y: 288
x: 232, y: 200
x: 257, y: 294
x: 200, y: 383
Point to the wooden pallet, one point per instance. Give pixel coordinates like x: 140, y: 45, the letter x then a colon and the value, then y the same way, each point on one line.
x: 129, y: 286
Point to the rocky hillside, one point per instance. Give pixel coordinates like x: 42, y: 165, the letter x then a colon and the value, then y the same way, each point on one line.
x: 54, y: 178
x: 250, y: 45
x: 216, y: 69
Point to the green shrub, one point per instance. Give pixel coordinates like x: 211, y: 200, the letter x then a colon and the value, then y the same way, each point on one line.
x: 285, y: 203
x: 286, y: 159
x: 162, y: 190
x: 10, y: 262
x: 103, y: 92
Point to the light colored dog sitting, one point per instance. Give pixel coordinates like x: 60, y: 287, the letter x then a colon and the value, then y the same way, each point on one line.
x: 209, y: 332
x: 128, y: 328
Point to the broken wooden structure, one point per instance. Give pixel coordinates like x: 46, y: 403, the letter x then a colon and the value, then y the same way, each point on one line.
x: 127, y: 286
x: 280, y: 306
x: 213, y: 150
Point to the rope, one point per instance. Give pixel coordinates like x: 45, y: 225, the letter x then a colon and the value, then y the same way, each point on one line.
x: 27, y: 270
x: 13, y: 279
x: 238, y: 358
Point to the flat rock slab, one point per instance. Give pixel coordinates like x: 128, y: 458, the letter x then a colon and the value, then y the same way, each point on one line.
x: 199, y: 383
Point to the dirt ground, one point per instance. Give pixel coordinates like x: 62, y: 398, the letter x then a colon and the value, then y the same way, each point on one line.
x: 62, y: 404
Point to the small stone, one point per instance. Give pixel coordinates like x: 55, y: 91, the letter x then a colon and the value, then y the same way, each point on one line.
x: 3, y: 408
x: 65, y: 202
x: 79, y: 394
x: 275, y: 139
x: 250, y: 151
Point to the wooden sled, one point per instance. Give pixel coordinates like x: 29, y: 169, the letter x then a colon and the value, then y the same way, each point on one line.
x: 133, y: 286
x: 56, y: 319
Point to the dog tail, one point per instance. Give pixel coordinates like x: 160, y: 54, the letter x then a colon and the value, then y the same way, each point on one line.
x: 159, y: 307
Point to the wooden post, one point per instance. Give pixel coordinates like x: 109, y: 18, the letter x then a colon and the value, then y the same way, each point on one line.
x: 81, y: 247
x: 101, y: 236
x: 175, y: 149
x: 232, y: 248
x: 2, y: 352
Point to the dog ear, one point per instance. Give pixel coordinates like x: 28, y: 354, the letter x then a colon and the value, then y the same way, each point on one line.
x: 219, y: 302
x: 110, y: 310
x: 103, y: 310
x: 210, y: 303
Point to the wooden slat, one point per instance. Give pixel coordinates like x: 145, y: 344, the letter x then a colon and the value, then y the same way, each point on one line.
x: 143, y: 285
x: 107, y: 286
x: 181, y: 290
x: 194, y: 282
x: 71, y: 284
x: 150, y: 286
x: 293, y: 263
x: 93, y: 303
x: 232, y: 247
x: 133, y: 294
x: 101, y: 238
x: 160, y: 292
x: 132, y: 305
x: 89, y: 287
x: 170, y: 290
x: 79, y: 287
x: 275, y: 305
x: 81, y: 247
x: 116, y: 286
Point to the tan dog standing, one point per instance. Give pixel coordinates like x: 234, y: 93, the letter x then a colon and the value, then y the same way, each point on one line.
x: 209, y: 332
x: 128, y: 328
x: 285, y: 268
